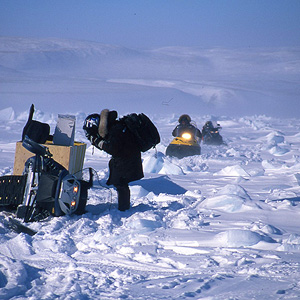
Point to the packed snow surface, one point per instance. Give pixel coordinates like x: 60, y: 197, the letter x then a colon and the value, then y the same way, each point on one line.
x: 220, y: 225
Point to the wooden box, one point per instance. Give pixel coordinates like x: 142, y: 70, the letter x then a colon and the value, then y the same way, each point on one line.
x: 71, y: 157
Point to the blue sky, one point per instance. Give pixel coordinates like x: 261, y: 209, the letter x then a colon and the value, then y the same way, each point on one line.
x: 155, y: 23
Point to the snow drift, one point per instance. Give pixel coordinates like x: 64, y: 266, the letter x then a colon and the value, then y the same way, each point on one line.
x: 198, y: 227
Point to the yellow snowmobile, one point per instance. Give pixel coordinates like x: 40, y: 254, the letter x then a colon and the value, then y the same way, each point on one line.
x: 184, y: 145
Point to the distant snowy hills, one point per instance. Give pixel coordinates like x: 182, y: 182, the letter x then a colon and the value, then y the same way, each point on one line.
x: 171, y: 79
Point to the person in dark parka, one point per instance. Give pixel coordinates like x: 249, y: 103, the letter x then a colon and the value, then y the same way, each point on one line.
x: 186, y: 126
x: 107, y: 133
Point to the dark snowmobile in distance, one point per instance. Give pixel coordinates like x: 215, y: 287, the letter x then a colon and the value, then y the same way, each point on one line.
x: 211, y: 134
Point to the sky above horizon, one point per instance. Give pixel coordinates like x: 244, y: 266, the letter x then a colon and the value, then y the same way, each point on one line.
x: 157, y: 23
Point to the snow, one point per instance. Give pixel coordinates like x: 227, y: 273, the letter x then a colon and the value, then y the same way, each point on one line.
x: 220, y: 225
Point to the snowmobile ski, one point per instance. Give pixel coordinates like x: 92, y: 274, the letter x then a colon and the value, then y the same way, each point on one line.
x: 16, y: 225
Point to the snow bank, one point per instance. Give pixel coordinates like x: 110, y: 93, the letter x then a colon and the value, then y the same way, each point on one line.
x: 157, y: 163
x: 235, y: 170
x: 231, y: 198
x: 276, y: 144
x: 13, y: 277
x: 242, y: 238
x: 292, y: 243
x: 279, y: 151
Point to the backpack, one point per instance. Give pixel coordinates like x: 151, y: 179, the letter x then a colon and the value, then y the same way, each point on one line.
x: 143, y: 129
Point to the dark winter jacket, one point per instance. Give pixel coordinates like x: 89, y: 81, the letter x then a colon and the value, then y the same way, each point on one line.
x: 194, y: 131
x: 211, y: 134
x: 126, y: 163
x: 208, y: 126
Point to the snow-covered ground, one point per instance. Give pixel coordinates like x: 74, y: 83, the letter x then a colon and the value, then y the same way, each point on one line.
x: 221, y: 225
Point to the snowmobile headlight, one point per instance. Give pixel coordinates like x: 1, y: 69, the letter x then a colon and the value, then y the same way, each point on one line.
x: 75, y: 189
x: 73, y: 203
x: 187, y: 136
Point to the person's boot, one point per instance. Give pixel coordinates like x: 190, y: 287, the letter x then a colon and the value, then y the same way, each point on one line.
x: 123, y: 197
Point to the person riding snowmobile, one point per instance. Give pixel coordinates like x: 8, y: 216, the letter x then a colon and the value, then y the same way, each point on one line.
x: 211, y: 135
x: 187, y: 139
x: 185, y: 126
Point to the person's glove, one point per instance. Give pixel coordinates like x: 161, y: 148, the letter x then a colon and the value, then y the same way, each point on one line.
x: 96, y: 141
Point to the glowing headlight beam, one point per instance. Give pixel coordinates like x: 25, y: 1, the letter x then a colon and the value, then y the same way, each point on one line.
x: 187, y: 136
